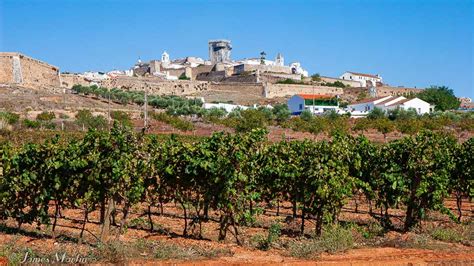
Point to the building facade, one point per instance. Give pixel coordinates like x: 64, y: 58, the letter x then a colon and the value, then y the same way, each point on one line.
x: 316, y: 104
x: 386, y: 103
x: 365, y: 80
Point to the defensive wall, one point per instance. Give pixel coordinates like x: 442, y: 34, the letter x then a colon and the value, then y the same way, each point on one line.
x: 284, y: 90
x: 247, y: 89
x: 16, y: 68
x: 69, y: 80
x: 156, y: 85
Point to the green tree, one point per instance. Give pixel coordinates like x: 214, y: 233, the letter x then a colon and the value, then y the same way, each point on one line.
x: 281, y: 112
x: 316, y: 77
x: 441, y: 96
x: 376, y: 113
x: 306, y: 115
x: 251, y: 119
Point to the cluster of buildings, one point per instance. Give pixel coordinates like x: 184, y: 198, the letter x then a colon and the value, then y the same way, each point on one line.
x: 257, y: 76
x: 218, y: 67
x: 318, y: 104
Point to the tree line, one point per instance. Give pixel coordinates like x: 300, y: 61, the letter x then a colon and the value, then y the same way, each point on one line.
x: 229, y: 177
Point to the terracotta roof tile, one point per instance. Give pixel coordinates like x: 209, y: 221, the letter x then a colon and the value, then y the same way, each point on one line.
x: 316, y: 96
x: 387, y: 100
x: 400, y: 102
x: 369, y: 100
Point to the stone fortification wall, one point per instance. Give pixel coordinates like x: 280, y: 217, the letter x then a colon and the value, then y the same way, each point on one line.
x: 262, y: 68
x: 6, y: 69
x: 69, y: 80
x: 275, y: 77
x: 156, y: 85
x: 35, y: 72
x: 247, y: 89
x: 396, y: 91
x: 283, y: 90
x: 16, y: 68
x: 241, y: 79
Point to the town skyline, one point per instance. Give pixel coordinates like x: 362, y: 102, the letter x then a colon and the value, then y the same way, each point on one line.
x: 429, y: 43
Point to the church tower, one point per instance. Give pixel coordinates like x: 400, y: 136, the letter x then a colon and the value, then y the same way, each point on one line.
x: 279, y: 61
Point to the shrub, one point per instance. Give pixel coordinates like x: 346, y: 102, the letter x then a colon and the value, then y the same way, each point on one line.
x: 335, y: 239
x: 305, y: 249
x: 174, y: 121
x: 376, y: 113
x: 86, y: 119
x: 121, y: 117
x: 306, y: 115
x: 10, y: 118
x: 213, y: 113
x: 251, y: 119
x: 337, y: 84
x: 290, y: 81
x: 183, y: 77
x: 410, y: 126
x: 446, y: 234
x: 45, y: 116
x: 402, y: 114
x: 265, y: 243
x: 31, y: 123
x: 316, y: 77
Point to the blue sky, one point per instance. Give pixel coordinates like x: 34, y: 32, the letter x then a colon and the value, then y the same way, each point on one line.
x: 410, y: 43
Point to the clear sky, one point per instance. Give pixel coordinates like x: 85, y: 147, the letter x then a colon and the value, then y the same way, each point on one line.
x: 408, y: 42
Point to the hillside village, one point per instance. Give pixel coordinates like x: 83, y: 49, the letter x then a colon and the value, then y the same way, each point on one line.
x: 196, y: 91
x: 219, y: 78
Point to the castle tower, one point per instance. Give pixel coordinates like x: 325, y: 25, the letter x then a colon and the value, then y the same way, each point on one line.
x: 219, y: 51
x: 279, y: 61
x: 165, y: 58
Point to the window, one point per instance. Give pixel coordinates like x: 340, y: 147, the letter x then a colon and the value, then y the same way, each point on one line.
x: 301, y: 106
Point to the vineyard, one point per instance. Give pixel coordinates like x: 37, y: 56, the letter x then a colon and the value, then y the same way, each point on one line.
x: 231, y: 179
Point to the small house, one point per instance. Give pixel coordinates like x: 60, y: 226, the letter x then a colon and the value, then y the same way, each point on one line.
x: 315, y: 103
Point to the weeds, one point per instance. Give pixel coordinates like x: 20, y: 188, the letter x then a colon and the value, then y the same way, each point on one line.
x: 446, y: 235
x: 332, y: 240
x: 265, y: 243
x: 116, y: 252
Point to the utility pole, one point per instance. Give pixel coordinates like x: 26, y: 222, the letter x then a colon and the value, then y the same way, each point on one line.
x: 145, y: 122
x: 313, y: 100
x: 64, y: 108
x: 108, y: 105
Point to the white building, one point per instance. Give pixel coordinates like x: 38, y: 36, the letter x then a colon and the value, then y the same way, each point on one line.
x: 362, y: 108
x: 226, y: 106
x: 297, y: 69
x: 317, y: 104
x: 420, y: 106
x: 366, y: 80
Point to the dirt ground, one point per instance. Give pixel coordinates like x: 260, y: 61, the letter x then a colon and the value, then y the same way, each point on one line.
x: 387, y: 250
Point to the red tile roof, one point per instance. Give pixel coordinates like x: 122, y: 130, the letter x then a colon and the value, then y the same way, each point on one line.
x: 369, y: 100
x: 388, y: 100
x: 316, y: 96
x: 399, y: 102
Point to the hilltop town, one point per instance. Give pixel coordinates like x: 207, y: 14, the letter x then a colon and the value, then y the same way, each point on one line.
x: 217, y: 79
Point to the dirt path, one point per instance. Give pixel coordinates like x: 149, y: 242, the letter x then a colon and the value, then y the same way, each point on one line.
x: 355, y: 257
